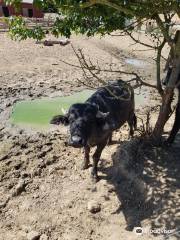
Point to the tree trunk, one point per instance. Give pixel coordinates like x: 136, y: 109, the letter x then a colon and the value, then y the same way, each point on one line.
x: 165, y: 110
x: 164, y: 114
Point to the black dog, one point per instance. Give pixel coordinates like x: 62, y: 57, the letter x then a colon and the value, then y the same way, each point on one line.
x: 92, y: 123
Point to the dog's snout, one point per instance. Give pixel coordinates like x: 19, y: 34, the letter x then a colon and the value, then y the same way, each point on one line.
x: 76, y: 141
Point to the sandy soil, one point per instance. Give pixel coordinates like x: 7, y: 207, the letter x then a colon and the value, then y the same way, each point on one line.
x: 43, y: 192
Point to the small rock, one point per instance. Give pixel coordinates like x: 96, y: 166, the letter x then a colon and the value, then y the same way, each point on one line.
x: 51, y: 159
x: 8, y: 104
x: 106, y: 197
x: 111, y: 189
x: 33, y: 235
x: 44, y: 237
x: 94, y: 206
x: 3, y: 204
x: 36, y: 172
x: 19, y: 188
x: 56, y: 168
x: 25, y: 174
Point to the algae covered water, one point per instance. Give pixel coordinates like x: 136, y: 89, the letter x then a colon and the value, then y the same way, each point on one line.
x: 38, y: 113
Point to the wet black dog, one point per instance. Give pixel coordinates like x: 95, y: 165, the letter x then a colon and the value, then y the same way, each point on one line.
x: 92, y: 123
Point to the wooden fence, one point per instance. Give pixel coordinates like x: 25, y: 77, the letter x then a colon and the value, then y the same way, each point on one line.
x: 30, y: 22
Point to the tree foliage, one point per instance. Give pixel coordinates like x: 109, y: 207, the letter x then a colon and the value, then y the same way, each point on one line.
x: 98, y: 16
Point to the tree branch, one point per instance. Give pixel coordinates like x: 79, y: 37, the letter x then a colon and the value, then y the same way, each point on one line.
x: 89, y: 67
x: 109, y: 4
x: 101, y: 70
x: 158, y: 67
x: 138, y: 41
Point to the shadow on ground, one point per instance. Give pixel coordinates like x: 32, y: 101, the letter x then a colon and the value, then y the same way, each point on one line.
x: 147, y: 183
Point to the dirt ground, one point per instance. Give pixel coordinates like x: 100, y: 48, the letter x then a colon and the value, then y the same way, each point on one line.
x: 43, y: 192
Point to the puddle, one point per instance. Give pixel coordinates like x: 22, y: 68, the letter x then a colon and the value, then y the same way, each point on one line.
x: 136, y: 62
x: 36, y: 114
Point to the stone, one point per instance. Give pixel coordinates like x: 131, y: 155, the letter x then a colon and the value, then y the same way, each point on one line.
x: 43, y: 237
x: 94, y: 206
x: 19, y: 188
x: 33, y: 235
x: 111, y: 188
x: 3, y: 204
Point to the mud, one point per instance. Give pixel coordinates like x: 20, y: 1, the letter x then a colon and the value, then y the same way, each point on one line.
x: 43, y: 192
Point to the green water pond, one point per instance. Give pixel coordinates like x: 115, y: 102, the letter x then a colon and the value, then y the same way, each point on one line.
x: 38, y: 113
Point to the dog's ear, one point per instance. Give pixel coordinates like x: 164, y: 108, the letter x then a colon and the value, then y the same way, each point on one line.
x: 60, y: 119
x: 102, y: 115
